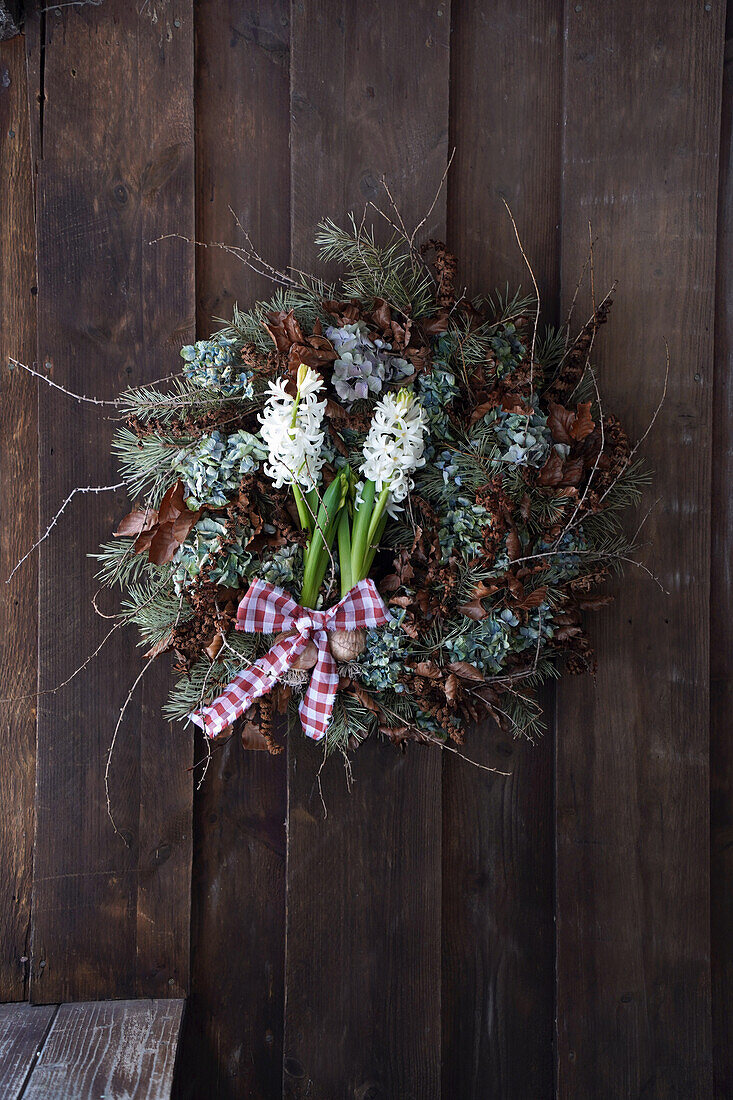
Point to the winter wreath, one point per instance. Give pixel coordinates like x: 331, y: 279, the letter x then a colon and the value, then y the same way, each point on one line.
x: 379, y: 506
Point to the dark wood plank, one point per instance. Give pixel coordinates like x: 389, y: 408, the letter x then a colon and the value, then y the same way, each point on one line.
x: 641, y: 146
x: 234, y: 1019
x: 115, y: 170
x: 721, y: 596
x: 109, y: 1049
x: 362, y: 1015
x: 498, y: 853
x: 19, y: 509
x: 23, y: 1029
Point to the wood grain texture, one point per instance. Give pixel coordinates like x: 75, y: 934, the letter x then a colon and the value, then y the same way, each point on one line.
x: 234, y: 1020
x: 23, y: 1029
x: 19, y: 510
x: 721, y: 595
x: 111, y: 1049
x: 498, y: 855
x: 115, y: 170
x: 362, y: 1016
x: 632, y: 752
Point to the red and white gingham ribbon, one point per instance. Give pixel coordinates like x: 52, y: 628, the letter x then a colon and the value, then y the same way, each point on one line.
x: 268, y: 610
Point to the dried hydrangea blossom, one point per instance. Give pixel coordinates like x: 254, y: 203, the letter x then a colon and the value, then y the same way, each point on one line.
x: 365, y: 364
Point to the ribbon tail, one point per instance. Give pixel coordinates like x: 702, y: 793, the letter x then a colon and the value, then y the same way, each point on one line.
x: 248, y: 685
x: 317, y: 704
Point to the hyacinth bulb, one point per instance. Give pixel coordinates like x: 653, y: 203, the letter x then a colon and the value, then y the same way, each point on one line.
x: 346, y: 645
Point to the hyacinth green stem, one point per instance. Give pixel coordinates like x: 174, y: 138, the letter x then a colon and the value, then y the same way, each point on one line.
x: 369, y: 523
x: 304, y: 514
x: 344, y: 537
x: 317, y: 554
x: 374, y: 543
x: 360, y: 530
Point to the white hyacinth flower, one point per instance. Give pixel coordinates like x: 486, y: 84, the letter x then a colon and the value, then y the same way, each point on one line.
x: 395, y: 444
x: 291, y: 429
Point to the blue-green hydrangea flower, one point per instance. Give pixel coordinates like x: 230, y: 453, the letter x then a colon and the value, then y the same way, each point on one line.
x: 365, y: 364
x: 212, y: 469
x: 204, y: 539
x: 526, y: 440
x: 508, y: 349
x: 566, y: 560
x: 438, y: 389
x: 215, y: 365
x: 488, y: 644
x: 383, y: 660
x: 485, y: 644
x: 282, y: 567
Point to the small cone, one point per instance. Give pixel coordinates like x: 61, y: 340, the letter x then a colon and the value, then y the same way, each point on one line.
x: 346, y: 645
x: 308, y: 657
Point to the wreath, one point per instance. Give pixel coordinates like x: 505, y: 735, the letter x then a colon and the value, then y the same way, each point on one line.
x: 377, y: 505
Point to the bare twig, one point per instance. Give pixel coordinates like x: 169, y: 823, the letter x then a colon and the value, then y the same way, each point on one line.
x: 537, y: 296
x: 62, y: 389
x: 111, y: 749
x: 54, y: 521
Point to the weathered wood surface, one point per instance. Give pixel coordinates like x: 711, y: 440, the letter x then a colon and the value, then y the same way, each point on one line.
x: 498, y: 856
x: 234, y: 1019
x: 19, y: 512
x: 111, y: 1049
x: 420, y: 950
x: 115, y: 170
x: 633, y: 927
x: 362, y: 1005
x: 721, y: 599
x: 23, y: 1029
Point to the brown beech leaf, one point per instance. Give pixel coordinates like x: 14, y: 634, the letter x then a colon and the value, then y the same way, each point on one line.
x: 346, y: 313
x: 480, y: 411
x: 381, y: 314
x: 474, y: 609
x: 534, y: 599
x: 136, y: 522
x: 402, y: 601
x: 173, y: 524
x: 465, y: 670
x: 252, y: 738
x: 451, y: 687
x: 284, y: 329
x: 335, y: 411
x: 572, y: 472
x: 433, y: 326
x: 163, y: 544
x: 428, y: 669
x: 583, y: 424
x: 592, y: 603
x: 567, y: 426
x: 215, y: 645
x: 365, y: 698
x: 515, y: 586
x: 560, y: 421
x: 525, y: 507
x: 550, y: 475
x: 513, y: 546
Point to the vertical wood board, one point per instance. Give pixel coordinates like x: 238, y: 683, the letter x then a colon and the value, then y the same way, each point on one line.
x: 369, y: 93
x: 115, y: 171
x: 498, y: 854
x: 632, y: 751
x: 19, y: 511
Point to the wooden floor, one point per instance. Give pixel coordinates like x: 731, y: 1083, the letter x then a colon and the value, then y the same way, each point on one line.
x: 443, y: 932
x: 108, y: 1050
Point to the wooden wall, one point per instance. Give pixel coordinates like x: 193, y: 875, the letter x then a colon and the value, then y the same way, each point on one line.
x: 442, y: 932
